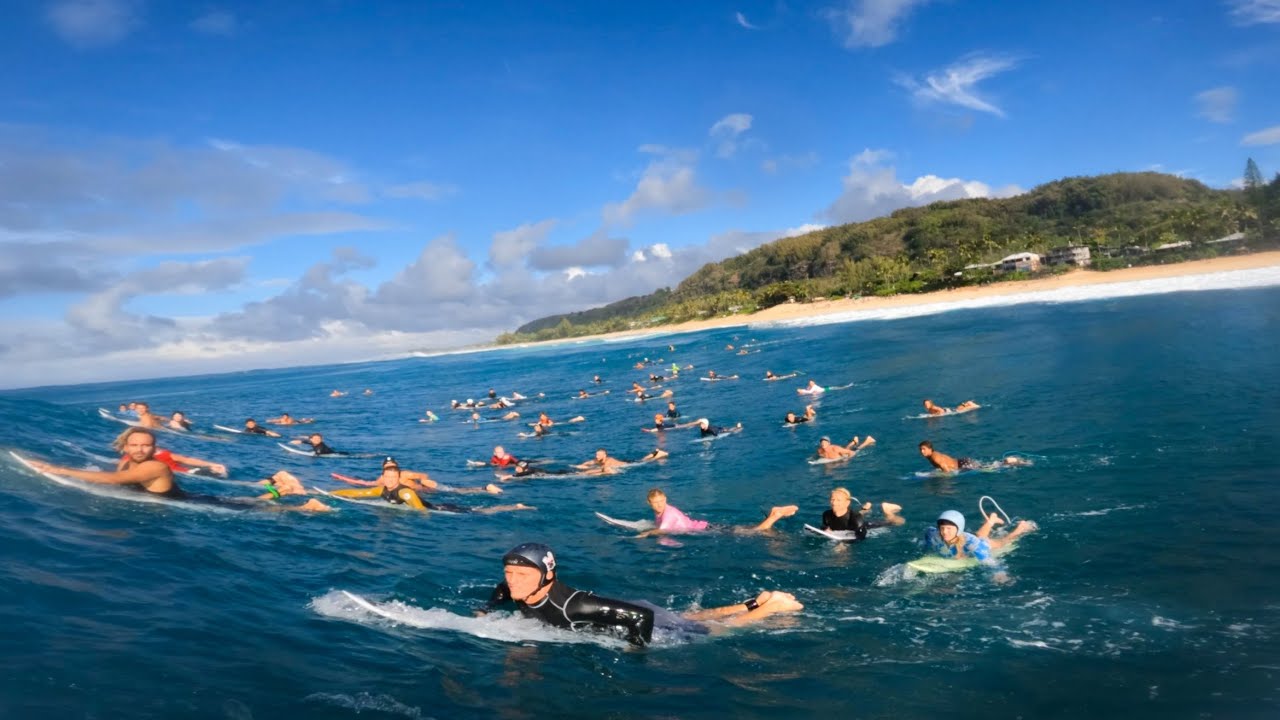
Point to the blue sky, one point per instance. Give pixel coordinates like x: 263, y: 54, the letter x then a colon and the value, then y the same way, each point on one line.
x: 192, y: 188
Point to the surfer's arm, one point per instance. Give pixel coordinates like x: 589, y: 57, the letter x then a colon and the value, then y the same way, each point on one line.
x: 197, y: 462
x: 421, y: 478
x: 411, y: 498
x: 375, y: 491
x: 141, y: 473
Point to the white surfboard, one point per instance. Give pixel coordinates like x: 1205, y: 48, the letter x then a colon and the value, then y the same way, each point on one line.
x: 113, y: 491
x: 637, y: 525
x: 837, y: 535
x: 224, y: 428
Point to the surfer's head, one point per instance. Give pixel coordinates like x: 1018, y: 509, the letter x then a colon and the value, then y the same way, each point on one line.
x: 137, y: 444
x: 825, y: 441
x: 926, y: 448
x: 528, y: 568
x: 658, y: 501
x: 950, y: 524
x: 315, y: 439
x: 840, y: 499
x: 704, y: 423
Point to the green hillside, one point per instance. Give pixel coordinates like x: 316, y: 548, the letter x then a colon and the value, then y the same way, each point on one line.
x: 1121, y: 217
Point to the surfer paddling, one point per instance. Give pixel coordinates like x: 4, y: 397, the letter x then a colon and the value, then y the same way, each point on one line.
x: 394, y: 490
x: 317, y: 444
x: 949, y: 539
x: 670, y: 520
x: 287, y: 419
x: 251, y: 427
x: 808, y: 415
x: 530, y: 580
x: 828, y: 451
x: 963, y: 407
x: 177, y: 463
x: 948, y: 464
x: 842, y: 516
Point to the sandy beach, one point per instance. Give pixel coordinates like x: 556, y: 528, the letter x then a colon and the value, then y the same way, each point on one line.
x: 1074, y: 278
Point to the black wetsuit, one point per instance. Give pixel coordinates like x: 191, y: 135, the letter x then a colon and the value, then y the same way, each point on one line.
x: 851, y: 521
x: 673, y: 413
x: 565, y: 607
x: 798, y: 419
x: 256, y: 430
x: 712, y: 430
x: 321, y: 448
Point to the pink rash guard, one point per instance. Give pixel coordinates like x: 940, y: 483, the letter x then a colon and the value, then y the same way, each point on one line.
x: 672, y: 520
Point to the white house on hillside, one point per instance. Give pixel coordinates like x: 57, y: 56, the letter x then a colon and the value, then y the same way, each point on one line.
x: 1077, y: 255
x: 1024, y: 261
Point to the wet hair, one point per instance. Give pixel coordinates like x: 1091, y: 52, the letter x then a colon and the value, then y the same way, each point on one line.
x: 843, y: 492
x: 926, y: 444
x: 656, y: 492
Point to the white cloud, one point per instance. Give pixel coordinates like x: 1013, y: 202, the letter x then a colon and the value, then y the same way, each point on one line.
x: 872, y: 189
x: 216, y: 22
x: 1266, y: 136
x: 512, y: 246
x: 957, y: 84
x: 726, y: 131
x: 422, y: 190
x: 742, y: 21
x: 668, y: 185
x: 1218, y: 104
x: 803, y: 229
x: 597, y: 249
x: 93, y: 23
x: 871, y: 23
x: 1254, y: 12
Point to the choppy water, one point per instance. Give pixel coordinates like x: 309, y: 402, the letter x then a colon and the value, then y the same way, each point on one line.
x: 1151, y: 589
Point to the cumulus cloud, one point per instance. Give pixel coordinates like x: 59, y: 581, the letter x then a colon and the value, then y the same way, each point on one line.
x: 510, y: 247
x: 422, y: 190
x: 1266, y: 136
x: 216, y: 22
x: 726, y: 130
x: 668, y: 185
x: 597, y: 249
x: 1255, y: 12
x: 1217, y: 104
x: 93, y: 23
x: 871, y: 23
x: 872, y: 189
x: 742, y: 21
x: 957, y: 84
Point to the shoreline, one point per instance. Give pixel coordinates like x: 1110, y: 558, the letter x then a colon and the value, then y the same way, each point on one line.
x: 849, y: 309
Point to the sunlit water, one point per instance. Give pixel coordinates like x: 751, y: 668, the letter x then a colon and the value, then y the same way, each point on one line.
x: 1150, y: 589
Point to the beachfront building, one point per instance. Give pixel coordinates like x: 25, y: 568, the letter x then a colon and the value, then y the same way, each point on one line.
x: 1077, y: 255
x: 1023, y: 261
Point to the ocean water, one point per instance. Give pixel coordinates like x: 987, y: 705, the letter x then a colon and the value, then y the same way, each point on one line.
x: 1152, y: 588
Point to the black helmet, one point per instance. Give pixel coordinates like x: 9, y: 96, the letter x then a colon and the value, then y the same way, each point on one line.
x: 534, y: 555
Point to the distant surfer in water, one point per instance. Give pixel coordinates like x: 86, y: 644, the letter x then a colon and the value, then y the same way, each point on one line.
x: 828, y: 451
x: 252, y: 427
x: 949, y: 539
x: 671, y: 521
x: 419, y: 481
x: 394, y: 490
x: 842, y: 517
x: 813, y: 388
x: 602, y: 464
x: 178, y: 421
x: 793, y: 419
x: 530, y: 581
x: 965, y: 406
x: 672, y: 412
x: 145, y: 418
x: 948, y: 464
x: 706, y: 429
x: 317, y: 443
x: 501, y: 458
x: 286, y: 419
x: 336, y: 393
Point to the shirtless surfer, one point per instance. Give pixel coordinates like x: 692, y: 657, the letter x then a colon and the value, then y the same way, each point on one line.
x: 963, y: 407
x: 828, y: 451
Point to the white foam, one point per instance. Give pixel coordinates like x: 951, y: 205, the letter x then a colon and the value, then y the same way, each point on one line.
x: 503, y: 627
x: 1227, y: 280
x: 365, y: 701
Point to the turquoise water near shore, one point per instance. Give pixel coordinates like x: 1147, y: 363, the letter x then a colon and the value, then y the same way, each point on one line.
x: 1150, y: 590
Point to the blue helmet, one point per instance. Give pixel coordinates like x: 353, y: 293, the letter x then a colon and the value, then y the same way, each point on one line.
x: 534, y: 555
x: 954, y: 517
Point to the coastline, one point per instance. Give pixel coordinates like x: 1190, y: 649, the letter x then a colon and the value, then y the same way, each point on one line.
x: 844, y: 310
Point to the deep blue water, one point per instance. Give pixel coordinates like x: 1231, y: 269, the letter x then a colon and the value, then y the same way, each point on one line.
x: 1149, y: 591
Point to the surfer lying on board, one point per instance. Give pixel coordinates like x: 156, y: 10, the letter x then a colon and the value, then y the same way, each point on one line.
x: 948, y: 464
x: 827, y: 451
x: 523, y: 469
x: 286, y: 419
x: 285, y: 483
x: 419, y: 481
x: 391, y: 489
x: 949, y: 539
x: 252, y: 427
x: 605, y: 464
x: 706, y: 429
x: 843, y: 517
x: 813, y: 388
x: 178, y: 421
x: 141, y: 471
x: 177, y: 463
x: 317, y: 444
x: 145, y: 418
x: 671, y: 521
x: 965, y: 406
x: 793, y: 419
x: 531, y: 582
x: 501, y: 458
